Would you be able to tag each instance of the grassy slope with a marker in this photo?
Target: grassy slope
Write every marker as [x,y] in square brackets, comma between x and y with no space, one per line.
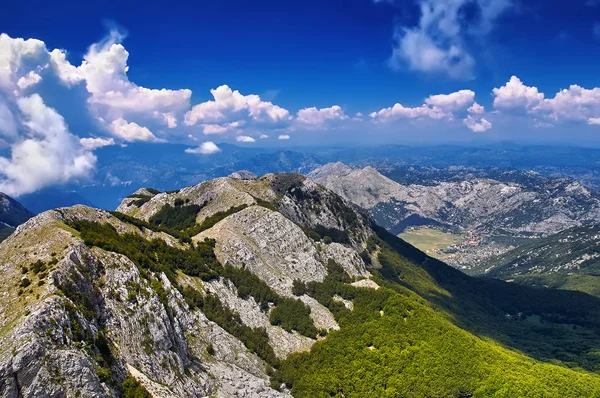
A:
[434,332]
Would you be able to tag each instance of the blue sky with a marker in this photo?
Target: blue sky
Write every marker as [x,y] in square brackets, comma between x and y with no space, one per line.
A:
[350,72]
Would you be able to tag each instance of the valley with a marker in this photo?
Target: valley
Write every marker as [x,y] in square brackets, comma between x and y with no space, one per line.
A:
[434,242]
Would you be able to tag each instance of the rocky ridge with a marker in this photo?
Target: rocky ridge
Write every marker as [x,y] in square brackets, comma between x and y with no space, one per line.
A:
[78,319]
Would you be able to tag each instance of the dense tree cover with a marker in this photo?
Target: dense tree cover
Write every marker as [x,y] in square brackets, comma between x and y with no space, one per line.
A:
[176,217]
[426,333]
[298,287]
[293,314]
[210,221]
[327,235]
[140,199]
[154,255]
[394,345]
[255,339]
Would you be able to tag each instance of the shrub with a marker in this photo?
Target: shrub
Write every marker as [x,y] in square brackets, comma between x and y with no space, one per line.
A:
[298,287]
[133,389]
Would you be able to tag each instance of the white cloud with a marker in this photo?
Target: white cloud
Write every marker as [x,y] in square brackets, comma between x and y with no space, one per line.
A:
[112,95]
[169,118]
[319,117]
[476,109]
[47,153]
[230,106]
[594,121]
[477,125]
[29,80]
[206,148]
[514,95]
[130,131]
[398,111]
[16,56]
[263,136]
[244,138]
[91,143]
[452,102]
[221,129]
[573,104]
[8,124]
[416,49]
[437,43]
[284,137]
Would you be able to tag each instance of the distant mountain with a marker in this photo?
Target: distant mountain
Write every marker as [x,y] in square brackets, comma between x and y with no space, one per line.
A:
[12,214]
[569,259]
[122,170]
[52,198]
[496,215]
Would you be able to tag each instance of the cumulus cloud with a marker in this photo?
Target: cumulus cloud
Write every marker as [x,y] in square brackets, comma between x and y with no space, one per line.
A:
[46,153]
[130,131]
[478,125]
[244,138]
[452,102]
[206,148]
[514,95]
[594,121]
[91,143]
[284,137]
[476,109]
[231,106]
[398,111]
[104,71]
[29,79]
[320,117]
[573,104]
[17,57]
[263,136]
[221,129]
[437,44]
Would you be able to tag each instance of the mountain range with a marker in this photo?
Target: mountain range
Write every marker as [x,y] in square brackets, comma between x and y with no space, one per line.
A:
[12,214]
[272,287]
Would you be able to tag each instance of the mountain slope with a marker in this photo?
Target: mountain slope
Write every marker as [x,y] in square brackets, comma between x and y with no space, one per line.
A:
[12,213]
[568,260]
[270,287]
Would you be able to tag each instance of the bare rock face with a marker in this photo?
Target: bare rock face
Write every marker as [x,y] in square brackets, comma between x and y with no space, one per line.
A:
[269,245]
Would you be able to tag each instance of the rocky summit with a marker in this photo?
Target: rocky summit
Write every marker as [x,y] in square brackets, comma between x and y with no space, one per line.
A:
[269,287]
